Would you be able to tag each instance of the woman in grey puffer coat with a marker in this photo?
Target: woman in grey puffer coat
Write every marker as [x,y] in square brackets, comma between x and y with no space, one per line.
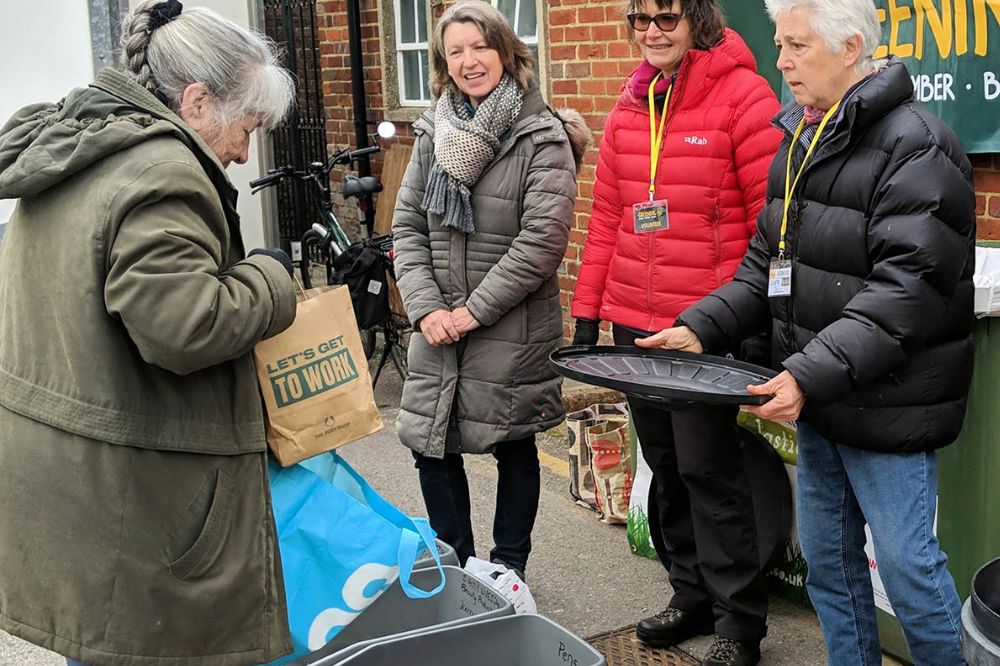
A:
[481,225]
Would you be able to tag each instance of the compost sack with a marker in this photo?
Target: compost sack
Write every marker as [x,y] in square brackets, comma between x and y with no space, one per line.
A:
[314,378]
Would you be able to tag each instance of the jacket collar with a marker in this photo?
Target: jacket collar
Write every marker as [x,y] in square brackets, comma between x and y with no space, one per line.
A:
[865,104]
[699,72]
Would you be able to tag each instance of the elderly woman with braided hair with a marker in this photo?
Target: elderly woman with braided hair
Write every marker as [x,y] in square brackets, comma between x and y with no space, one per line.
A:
[481,225]
[136,526]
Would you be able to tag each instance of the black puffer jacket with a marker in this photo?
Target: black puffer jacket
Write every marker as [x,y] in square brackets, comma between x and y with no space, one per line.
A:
[881,235]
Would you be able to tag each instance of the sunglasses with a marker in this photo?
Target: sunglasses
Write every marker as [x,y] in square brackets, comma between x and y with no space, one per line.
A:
[664,22]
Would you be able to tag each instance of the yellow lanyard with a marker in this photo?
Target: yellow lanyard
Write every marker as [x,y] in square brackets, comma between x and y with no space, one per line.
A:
[656,135]
[789,183]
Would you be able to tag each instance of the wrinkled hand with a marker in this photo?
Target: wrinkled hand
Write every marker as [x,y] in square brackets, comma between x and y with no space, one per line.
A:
[680,338]
[787,401]
[439,328]
[463,320]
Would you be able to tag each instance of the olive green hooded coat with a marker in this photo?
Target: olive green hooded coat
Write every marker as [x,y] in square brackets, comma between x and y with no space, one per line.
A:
[136,523]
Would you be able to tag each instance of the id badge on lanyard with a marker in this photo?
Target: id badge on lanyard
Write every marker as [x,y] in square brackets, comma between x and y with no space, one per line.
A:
[653,215]
[779,278]
[650,216]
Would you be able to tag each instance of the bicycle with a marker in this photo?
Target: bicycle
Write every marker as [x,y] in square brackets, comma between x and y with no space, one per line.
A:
[366,265]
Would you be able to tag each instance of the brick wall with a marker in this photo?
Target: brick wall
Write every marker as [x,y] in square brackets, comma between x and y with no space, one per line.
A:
[589,56]
[986,178]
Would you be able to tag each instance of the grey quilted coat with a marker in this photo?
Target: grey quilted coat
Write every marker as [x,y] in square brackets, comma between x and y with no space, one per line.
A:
[495,384]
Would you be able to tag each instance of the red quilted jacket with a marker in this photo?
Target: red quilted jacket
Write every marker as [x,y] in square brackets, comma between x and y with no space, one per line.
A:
[713,168]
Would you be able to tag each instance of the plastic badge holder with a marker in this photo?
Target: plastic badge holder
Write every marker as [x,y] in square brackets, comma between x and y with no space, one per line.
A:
[519,640]
[674,378]
[464,599]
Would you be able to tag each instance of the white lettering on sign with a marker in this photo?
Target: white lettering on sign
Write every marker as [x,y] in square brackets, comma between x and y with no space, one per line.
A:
[991,85]
[933,87]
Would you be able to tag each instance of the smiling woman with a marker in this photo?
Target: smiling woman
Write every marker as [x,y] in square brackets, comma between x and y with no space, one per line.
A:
[680,180]
[480,228]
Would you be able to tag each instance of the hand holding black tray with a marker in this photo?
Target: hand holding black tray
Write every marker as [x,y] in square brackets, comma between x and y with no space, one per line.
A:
[674,378]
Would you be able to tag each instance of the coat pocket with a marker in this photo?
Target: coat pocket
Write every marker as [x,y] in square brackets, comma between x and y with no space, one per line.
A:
[208,546]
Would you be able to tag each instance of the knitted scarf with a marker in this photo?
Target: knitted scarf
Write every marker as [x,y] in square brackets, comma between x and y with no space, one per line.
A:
[464,144]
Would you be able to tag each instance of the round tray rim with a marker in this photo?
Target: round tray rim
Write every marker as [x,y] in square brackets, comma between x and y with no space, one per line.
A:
[560,356]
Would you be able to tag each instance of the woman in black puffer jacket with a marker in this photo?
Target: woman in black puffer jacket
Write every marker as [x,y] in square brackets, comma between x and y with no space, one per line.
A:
[865,280]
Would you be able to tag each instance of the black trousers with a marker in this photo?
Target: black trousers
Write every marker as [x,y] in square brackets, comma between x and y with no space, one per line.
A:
[705,512]
[446,495]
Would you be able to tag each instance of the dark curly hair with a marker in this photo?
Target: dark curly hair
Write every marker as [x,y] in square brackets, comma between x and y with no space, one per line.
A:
[705,16]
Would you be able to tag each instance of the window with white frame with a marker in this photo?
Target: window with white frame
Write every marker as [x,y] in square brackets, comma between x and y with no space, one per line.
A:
[412,52]
[523,17]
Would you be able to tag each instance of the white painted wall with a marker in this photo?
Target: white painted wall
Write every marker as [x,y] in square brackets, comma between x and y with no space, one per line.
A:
[45,51]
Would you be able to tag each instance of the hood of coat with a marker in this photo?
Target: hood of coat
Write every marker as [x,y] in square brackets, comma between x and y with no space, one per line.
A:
[701,69]
[45,144]
[533,118]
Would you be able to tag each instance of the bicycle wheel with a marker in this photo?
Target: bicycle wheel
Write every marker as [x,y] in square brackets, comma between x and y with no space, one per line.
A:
[312,248]
[368,341]
[400,344]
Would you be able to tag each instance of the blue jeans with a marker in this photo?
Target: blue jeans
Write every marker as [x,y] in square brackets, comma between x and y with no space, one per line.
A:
[839,487]
[74,662]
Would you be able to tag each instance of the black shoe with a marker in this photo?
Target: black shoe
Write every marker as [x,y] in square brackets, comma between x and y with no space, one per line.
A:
[727,652]
[673,626]
[517,571]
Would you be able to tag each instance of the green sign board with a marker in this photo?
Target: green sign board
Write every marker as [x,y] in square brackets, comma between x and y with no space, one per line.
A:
[951,47]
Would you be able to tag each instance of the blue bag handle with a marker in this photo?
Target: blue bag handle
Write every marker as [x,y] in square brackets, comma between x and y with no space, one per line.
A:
[414,532]
[410,545]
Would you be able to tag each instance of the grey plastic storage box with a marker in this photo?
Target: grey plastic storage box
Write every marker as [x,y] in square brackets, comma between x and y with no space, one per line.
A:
[445,552]
[464,599]
[518,640]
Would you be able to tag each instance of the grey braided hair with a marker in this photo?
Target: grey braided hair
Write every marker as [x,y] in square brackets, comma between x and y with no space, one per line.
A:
[238,66]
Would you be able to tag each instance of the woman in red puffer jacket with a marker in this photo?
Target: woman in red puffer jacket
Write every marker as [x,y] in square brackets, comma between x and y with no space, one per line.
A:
[651,252]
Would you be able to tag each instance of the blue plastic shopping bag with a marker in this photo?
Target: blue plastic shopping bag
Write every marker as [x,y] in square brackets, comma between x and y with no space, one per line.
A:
[341,544]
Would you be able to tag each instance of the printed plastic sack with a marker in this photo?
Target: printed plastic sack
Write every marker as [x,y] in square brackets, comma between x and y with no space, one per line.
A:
[639,536]
[611,466]
[341,545]
[504,581]
[581,478]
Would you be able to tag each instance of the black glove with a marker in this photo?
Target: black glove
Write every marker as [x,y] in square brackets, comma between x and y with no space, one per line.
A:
[275,253]
[587,331]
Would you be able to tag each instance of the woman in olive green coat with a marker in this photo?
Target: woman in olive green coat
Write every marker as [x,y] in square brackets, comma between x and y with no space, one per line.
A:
[136,526]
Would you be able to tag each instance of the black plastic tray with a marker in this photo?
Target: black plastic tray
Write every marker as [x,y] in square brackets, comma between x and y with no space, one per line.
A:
[672,377]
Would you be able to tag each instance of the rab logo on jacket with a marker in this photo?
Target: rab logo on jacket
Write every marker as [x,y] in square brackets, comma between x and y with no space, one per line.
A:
[310,372]
[696,140]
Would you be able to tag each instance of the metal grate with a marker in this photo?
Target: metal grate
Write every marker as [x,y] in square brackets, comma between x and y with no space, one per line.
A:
[301,139]
[621,648]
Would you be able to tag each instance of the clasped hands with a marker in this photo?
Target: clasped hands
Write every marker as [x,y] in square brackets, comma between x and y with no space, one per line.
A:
[786,405]
[443,327]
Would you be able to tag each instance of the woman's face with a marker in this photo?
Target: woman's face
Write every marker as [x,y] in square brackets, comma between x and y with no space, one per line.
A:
[474,67]
[230,143]
[664,50]
[815,76]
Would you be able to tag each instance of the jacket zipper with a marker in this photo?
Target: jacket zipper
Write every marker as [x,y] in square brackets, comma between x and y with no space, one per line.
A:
[651,246]
[716,245]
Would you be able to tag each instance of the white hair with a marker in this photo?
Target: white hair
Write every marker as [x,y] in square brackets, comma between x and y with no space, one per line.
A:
[238,66]
[836,21]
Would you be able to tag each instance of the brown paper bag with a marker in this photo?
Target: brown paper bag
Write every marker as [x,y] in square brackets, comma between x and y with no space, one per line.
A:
[314,377]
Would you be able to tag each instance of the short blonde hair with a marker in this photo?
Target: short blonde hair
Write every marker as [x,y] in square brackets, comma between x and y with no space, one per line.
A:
[516,57]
